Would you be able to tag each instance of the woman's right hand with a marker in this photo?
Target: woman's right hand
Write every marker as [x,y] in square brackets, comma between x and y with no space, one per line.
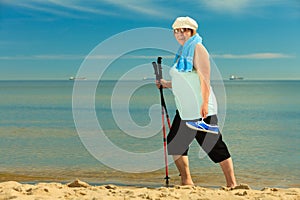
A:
[164,83]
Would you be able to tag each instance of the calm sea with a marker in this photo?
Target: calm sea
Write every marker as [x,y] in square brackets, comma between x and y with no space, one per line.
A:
[39,141]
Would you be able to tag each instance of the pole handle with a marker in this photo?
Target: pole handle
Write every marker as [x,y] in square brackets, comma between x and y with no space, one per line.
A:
[156,72]
[159,67]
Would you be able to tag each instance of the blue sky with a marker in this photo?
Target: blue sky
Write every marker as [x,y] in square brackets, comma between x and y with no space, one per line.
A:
[42,39]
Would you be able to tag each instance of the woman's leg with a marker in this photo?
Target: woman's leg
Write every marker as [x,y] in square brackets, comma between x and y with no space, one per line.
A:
[217,150]
[179,139]
[227,167]
[182,164]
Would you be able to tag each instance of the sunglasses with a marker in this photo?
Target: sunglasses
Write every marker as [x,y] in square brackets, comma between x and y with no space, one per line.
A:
[181,30]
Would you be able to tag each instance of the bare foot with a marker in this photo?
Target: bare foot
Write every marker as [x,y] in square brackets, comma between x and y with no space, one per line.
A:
[231,186]
[187,182]
[242,186]
[236,187]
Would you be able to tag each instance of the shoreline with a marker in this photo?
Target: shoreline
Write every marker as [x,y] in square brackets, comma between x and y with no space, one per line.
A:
[154,179]
[82,190]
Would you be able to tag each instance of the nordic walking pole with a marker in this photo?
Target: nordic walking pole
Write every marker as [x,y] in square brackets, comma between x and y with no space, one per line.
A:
[158,72]
[161,91]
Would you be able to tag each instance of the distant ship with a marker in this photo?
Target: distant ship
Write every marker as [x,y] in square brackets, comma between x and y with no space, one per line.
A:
[72,78]
[147,78]
[233,77]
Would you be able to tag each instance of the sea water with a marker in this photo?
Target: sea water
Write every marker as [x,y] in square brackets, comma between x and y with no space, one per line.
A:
[39,140]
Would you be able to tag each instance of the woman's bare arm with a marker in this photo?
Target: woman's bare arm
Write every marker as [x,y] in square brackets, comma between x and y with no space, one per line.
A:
[202,67]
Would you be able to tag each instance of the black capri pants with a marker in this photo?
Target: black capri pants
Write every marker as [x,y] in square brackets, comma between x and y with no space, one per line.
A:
[180,137]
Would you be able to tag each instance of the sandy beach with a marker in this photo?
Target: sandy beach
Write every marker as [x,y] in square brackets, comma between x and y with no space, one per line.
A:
[81,190]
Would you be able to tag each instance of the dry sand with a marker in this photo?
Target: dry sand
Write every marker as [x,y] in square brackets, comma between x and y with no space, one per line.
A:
[81,191]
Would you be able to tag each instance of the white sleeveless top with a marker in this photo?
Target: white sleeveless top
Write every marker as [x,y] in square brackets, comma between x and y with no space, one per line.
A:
[188,98]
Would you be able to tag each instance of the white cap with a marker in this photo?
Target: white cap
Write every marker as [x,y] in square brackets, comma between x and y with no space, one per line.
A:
[185,22]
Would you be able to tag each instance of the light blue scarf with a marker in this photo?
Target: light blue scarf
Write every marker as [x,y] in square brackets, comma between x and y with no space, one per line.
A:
[185,54]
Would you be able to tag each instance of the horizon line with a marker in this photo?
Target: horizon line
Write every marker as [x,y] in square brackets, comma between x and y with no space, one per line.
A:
[87,80]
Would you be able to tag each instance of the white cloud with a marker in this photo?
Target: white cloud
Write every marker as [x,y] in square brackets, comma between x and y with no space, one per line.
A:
[81,8]
[144,7]
[153,8]
[71,8]
[253,56]
[102,57]
[249,7]
[227,5]
[43,57]
[60,7]
[75,57]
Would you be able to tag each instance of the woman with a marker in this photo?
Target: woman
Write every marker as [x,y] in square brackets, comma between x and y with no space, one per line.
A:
[194,100]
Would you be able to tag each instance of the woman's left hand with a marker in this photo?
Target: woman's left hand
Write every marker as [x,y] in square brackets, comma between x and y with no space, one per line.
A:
[204,110]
